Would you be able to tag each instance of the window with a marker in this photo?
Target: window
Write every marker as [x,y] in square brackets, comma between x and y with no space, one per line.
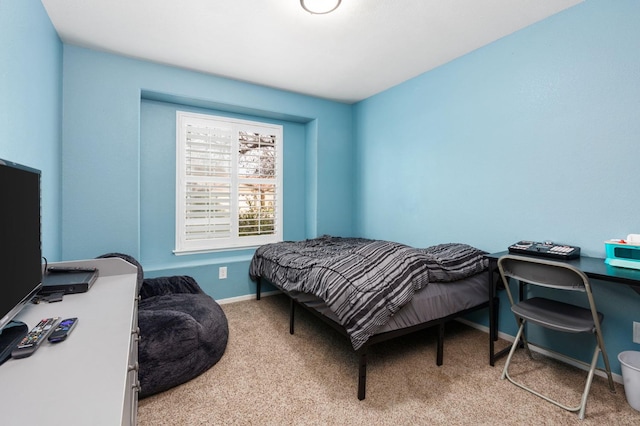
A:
[229,183]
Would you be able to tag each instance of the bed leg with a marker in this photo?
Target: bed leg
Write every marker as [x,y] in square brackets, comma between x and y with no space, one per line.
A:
[440,354]
[258,285]
[362,374]
[292,313]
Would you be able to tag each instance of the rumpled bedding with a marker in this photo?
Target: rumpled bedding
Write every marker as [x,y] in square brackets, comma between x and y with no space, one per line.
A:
[364,282]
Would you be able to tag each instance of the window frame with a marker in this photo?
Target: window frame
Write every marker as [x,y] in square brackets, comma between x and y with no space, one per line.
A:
[183,245]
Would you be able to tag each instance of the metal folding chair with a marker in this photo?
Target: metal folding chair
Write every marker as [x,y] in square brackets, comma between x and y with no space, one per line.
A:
[553,314]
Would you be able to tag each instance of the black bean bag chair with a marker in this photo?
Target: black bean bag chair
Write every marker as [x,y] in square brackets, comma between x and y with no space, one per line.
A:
[183,331]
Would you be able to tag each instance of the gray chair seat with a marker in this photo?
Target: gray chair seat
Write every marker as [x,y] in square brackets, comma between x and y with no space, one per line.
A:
[556,315]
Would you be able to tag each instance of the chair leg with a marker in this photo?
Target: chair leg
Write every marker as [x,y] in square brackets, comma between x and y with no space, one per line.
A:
[585,393]
[523,339]
[587,386]
[514,346]
[605,359]
[600,349]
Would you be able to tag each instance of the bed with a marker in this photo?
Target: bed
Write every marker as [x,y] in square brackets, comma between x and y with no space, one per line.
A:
[373,290]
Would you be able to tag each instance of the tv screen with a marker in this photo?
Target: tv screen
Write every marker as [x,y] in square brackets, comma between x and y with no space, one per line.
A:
[20,247]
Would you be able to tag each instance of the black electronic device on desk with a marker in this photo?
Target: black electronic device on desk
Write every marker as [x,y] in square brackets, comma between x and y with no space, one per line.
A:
[545,249]
[68,280]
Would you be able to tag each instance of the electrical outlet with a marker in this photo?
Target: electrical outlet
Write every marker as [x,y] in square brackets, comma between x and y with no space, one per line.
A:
[222,272]
[636,332]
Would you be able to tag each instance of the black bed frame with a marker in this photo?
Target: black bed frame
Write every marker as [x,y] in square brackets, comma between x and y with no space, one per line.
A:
[382,337]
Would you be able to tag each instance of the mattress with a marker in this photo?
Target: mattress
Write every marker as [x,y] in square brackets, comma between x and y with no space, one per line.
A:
[434,301]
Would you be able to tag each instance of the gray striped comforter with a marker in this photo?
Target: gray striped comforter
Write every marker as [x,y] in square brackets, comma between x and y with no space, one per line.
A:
[364,282]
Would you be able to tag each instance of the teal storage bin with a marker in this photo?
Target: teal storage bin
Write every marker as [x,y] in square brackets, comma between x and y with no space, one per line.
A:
[622,254]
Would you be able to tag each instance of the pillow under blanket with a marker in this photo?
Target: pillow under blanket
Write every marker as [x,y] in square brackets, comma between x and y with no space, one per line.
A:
[454,261]
[181,336]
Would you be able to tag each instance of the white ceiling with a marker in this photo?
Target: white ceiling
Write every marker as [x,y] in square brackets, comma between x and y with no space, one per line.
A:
[363,48]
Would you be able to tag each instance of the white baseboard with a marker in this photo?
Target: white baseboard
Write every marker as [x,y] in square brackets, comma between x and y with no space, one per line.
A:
[546,352]
[246,297]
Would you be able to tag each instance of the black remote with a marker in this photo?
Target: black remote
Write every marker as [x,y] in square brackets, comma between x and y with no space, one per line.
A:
[63,330]
[31,342]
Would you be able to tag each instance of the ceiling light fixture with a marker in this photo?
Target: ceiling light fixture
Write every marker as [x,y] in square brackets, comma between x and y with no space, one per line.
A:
[320,7]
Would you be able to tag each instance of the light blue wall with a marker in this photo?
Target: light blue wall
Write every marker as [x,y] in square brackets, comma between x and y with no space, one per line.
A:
[30,102]
[536,136]
[118,186]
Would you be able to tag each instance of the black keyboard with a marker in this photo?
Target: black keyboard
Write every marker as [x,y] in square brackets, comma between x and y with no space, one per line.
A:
[545,249]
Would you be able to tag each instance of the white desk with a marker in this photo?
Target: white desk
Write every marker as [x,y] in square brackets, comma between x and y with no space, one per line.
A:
[90,378]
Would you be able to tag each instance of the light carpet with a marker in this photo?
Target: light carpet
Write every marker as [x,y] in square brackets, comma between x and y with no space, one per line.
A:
[269,377]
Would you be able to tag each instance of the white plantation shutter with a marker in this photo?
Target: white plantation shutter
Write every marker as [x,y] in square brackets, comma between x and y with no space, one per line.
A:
[257,185]
[229,183]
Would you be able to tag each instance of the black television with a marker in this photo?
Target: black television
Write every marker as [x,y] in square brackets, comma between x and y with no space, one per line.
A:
[20,246]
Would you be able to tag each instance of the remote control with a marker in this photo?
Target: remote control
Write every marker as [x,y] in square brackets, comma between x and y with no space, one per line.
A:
[31,342]
[63,330]
[67,269]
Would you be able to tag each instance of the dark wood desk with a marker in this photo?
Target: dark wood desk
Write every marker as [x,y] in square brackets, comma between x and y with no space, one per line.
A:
[593,267]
